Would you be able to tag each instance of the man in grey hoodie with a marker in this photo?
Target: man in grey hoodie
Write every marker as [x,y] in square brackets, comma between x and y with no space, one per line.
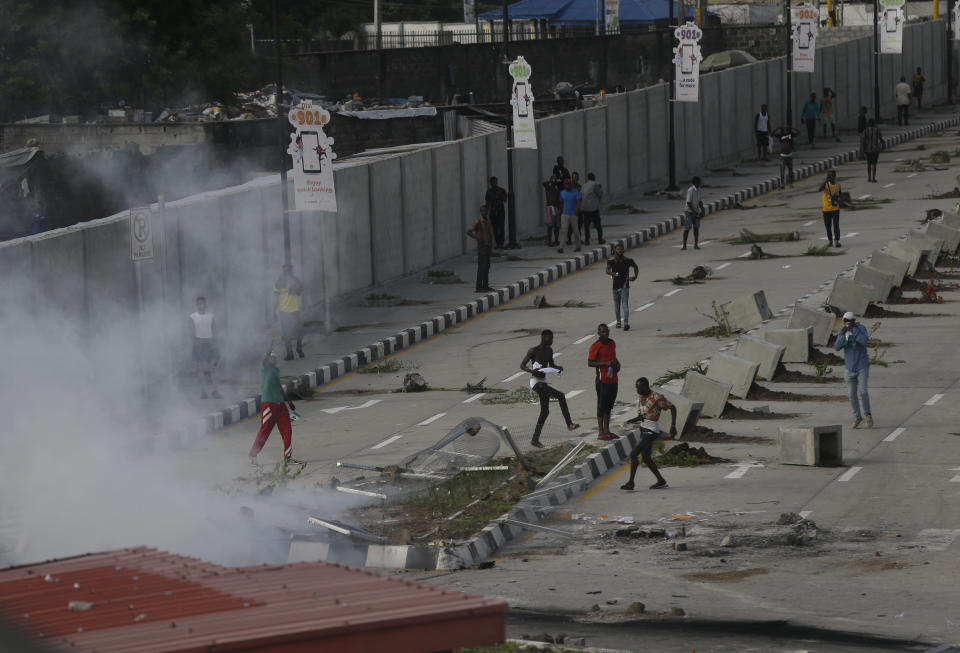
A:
[592,193]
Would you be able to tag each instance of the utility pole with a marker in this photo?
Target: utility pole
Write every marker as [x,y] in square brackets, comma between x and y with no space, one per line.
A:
[511,199]
[671,143]
[876,62]
[789,44]
[284,135]
[950,37]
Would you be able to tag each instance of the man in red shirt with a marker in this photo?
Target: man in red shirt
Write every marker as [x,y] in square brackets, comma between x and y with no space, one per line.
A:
[649,407]
[603,357]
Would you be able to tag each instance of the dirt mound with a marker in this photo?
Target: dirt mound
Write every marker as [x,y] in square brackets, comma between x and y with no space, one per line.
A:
[760,393]
[706,434]
[874,311]
[783,375]
[818,357]
[685,451]
[733,412]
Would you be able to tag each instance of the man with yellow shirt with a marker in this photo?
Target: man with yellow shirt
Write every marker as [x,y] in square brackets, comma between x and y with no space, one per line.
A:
[287,291]
[830,199]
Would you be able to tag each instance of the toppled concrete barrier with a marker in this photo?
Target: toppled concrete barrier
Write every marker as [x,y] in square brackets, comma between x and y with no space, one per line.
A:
[767,354]
[848,295]
[925,243]
[796,343]
[712,394]
[688,412]
[880,281]
[949,235]
[951,219]
[887,263]
[747,311]
[738,372]
[811,445]
[821,322]
[912,255]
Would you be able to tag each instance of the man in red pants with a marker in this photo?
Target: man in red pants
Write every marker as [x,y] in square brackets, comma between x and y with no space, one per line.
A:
[273,410]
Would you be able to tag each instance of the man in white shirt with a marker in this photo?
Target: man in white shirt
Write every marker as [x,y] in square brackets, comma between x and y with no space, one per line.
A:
[692,213]
[903,95]
[761,124]
[205,354]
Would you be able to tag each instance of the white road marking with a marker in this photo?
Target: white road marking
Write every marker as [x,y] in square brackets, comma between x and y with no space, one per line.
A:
[583,339]
[644,307]
[610,324]
[741,469]
[932,400]
[956,478]
[852,234]
[392,438]
[911,175]
[706,242]
[785,267]
[337,409]
[473,398]
[847,475]
[807,224]
[893,434]
[745,255]
[804,513]
[898,159]
[557,354]
[672,292]
[431,420]
[863,197]
[512,377]
[720,267]
[887,185]
[937,539]
[573,393]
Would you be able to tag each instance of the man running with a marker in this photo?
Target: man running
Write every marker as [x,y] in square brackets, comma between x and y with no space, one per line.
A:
[273,410]
[603,357]
[619,267]
[649,406]
[539,363]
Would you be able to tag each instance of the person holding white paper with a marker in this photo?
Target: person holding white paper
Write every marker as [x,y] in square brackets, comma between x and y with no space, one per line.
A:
[539,363]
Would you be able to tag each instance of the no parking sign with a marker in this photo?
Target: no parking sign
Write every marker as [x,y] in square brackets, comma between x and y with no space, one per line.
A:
[141,234]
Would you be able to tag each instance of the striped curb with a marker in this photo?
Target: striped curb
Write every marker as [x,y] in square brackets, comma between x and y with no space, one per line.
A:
[530,509]
[379,350]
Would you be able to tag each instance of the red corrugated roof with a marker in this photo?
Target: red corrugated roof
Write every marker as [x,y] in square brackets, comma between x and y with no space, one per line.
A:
[150,601]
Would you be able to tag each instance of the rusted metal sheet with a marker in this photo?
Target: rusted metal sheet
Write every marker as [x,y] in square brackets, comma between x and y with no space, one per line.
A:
[155,602]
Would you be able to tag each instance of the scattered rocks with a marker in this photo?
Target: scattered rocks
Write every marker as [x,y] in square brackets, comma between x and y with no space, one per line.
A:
[635,608]
[413,382]
[727,541]
[788,518]
[595,608]
[677,611]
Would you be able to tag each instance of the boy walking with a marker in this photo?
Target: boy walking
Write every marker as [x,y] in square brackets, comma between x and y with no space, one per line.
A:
[649,407]
[603,358]
[619,267]
[273,410]
[288,290]
[570,198]
[539,363]
[830,200]
[692,213]
[853,339]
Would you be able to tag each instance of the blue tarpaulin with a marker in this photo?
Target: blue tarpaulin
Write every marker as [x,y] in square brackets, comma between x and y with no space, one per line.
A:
[585,13]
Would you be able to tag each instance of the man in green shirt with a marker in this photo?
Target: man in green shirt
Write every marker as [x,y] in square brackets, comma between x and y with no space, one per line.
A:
[273,410]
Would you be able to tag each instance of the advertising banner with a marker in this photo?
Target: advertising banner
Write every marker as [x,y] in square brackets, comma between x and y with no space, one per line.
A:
[524,125]
[312,159]
[686,59]
[804,17]
[469,7]
[611,16]
[891,19]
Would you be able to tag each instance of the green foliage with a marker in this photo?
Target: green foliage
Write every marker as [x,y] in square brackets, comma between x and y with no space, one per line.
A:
[670,375]
[822,370]
[721,322]
[821,250]
[386,367]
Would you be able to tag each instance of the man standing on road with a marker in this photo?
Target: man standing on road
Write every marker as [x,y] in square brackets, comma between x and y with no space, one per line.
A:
[539,363]
[871,142]
[918,82]
[828,111]
[603,357]
[560,173]
[494,200]
[853,339]
[786,136]
[273,410]
[761,125]
[288,290]
[570,198]
[649,406]
[553,205]
[810,115]
[592,193]
[482,232]
[619,267]
[692,213]
[830,200]
[205,354]
[901,93]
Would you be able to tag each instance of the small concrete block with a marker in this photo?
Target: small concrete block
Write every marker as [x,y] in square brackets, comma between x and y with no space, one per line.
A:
[951,220]
[767,354]
[796,343]
[949,235]
[388,556]
[811,445]
[747,311]
[848,295]
[880,281]
[925,243]
[308,551]
[712,394]
[809,316]
[908,253]
[887,263]
[738,372]
[688,412]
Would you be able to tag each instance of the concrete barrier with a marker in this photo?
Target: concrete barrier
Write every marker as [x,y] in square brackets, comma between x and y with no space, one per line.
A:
[767,354]
[688,412]
[747,311]
[888,263]
[912,255]
[848,295]
[925,243]
[880,281]
[949,235]
[811,445]
[951,220]
[738,372]
[819,321]
[712,394]
[796,343]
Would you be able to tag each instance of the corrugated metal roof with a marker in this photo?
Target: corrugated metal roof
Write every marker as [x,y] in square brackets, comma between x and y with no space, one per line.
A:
[154,602]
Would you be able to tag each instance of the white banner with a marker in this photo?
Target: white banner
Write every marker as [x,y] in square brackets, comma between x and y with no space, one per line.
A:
[469,7]
[804,17]
[956,21]
[891,19]
[312,159]
[611,16]
[141,234]
[686,60]
[524,126]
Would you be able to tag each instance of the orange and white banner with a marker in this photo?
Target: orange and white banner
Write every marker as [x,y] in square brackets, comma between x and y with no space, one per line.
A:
[313,157]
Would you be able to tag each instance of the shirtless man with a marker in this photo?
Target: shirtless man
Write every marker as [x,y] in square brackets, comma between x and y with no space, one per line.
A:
[541,358]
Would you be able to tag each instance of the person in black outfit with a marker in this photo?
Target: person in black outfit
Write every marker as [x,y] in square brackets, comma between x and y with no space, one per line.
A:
[560,173]
[494,200]
[541,357]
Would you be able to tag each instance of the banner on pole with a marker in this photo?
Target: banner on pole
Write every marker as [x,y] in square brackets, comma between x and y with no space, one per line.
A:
[611,16]
[891,19]
[686,60]
[469,7]
[804,17]
[956,20]
[312,159]
[524,125]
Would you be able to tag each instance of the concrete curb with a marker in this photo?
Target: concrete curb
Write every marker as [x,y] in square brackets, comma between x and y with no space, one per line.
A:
[324,374]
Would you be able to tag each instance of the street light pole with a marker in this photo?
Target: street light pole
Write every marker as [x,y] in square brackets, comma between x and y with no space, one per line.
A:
[876,62]
[511,200]
[284,135]
[950,37]
[671,143]
[789,20]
